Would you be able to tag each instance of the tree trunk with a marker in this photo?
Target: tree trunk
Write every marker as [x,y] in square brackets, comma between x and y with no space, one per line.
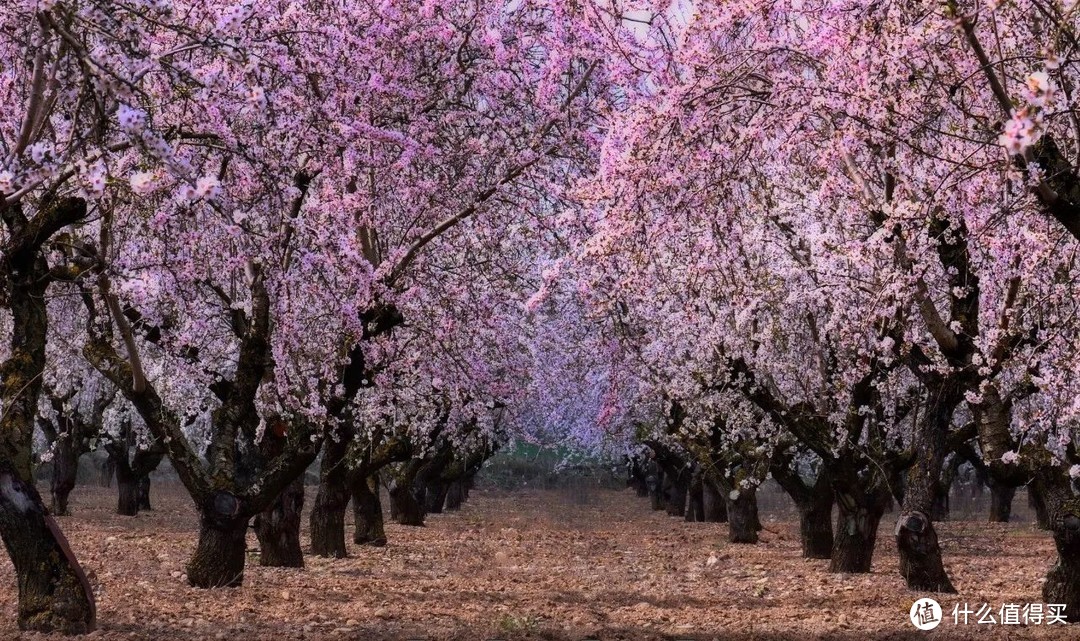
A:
[1063,580]
[635,476]
[713,505]
[54,594]
[108,470]
[815,526]
[278,528]
[695,509]
[219,557]
[813,500]
[857,518]
[1062,504]
[943,488]
[920,555]
[1038,505]
[132,474]
[367,512]
[144,492]
[455,495]
[743,523]
[655,481]
[127,495]
[64,472]
[1001,498]
[327,520]
[435,497]
[676,489]
[940,509]
[405,509]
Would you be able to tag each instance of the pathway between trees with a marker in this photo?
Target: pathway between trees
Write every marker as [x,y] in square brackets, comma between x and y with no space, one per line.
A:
[529,565]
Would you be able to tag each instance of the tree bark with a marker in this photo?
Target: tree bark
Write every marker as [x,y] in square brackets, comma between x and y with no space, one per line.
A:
[676,487]
[455,495]
[278,529]
[813,500]
[743,523]
[635,475]
[108,469]
[695,507]
[64,472]
[132,472]
[1062,501]
[367,512]
[219,557]
[920,554]
[655,482]
[54,594]
[435,497]
[714,507]
[127,495]
[857,518]
[815,527]
[144,492]
[405,509]
[940,509]
[1038,505]
[1001,498]
[327,518]
[68,438]
[943,489]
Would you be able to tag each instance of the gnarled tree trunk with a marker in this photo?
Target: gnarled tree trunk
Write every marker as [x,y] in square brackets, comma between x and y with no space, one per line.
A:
[219,557]
[695,506]
[1001,498]
[107,470]
[943,489]
[714,507]
[367,512]
[455,496]
[1062,501]
[920,554]
[435,497]
[815,527]
[328,513]
[655,482]
[676,487]
[54,595]
[133,478]
[857,518]
[635,475]
[64,472]
[278,528]
[814,502]
[127,498]
[404,508]
[743,523]
[144,492]
[1038,506]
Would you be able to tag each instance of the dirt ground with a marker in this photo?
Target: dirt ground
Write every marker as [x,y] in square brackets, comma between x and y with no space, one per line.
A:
[593,564]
